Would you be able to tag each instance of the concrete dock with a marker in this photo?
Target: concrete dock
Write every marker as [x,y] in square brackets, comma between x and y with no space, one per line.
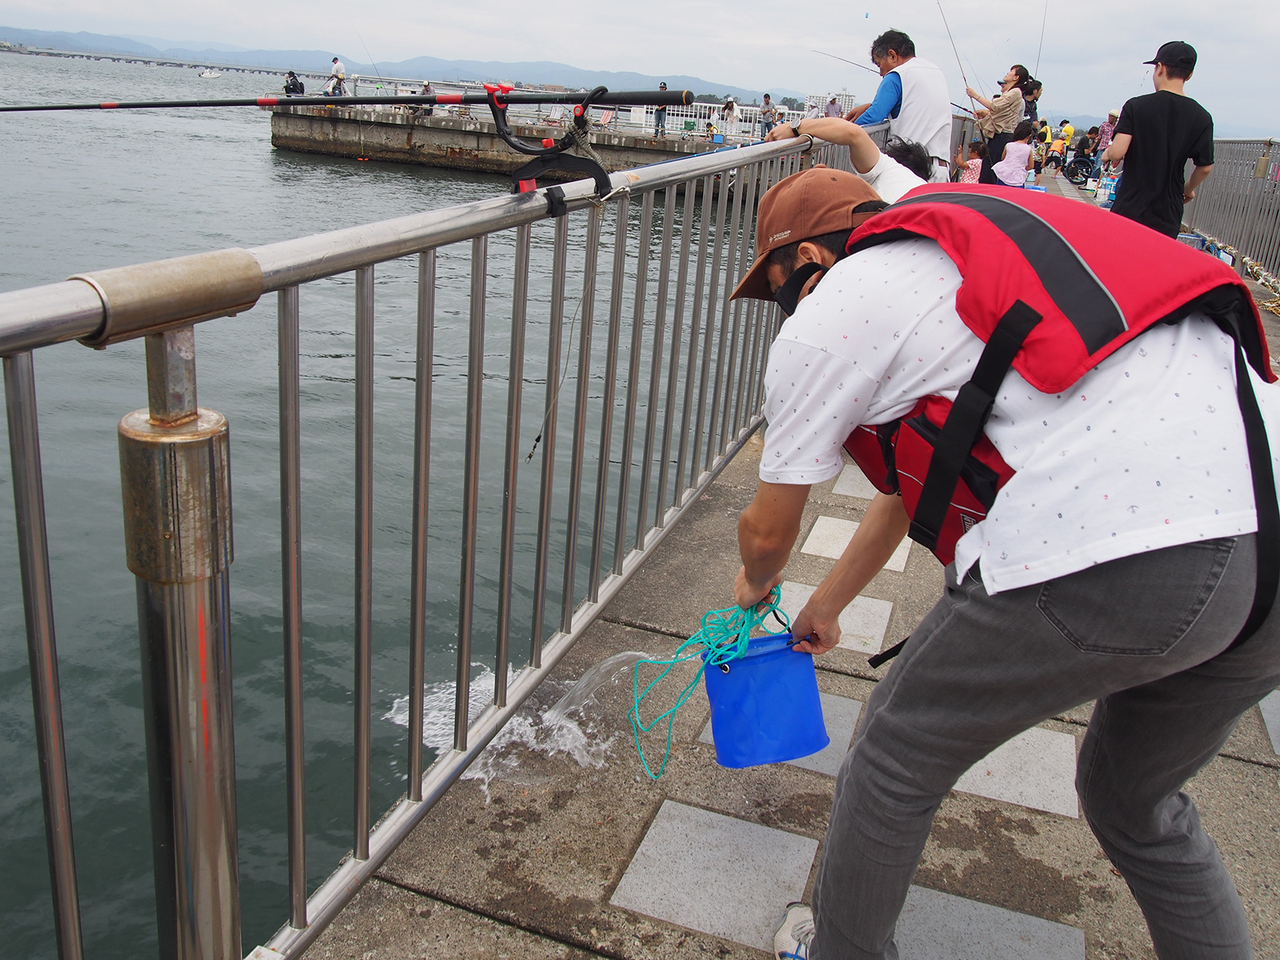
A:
[563,857]
[469,142]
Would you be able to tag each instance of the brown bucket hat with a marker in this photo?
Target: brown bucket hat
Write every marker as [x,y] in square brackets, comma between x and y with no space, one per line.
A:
[809,204]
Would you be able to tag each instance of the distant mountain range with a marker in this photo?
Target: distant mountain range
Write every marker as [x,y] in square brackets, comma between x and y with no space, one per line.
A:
[427,68]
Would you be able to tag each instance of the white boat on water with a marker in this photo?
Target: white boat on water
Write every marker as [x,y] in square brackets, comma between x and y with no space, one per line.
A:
[209,73]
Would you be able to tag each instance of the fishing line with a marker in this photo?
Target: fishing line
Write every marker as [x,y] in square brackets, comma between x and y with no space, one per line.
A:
[372,63]
[977,73]
[850,62]
[1041,47]
[555,397]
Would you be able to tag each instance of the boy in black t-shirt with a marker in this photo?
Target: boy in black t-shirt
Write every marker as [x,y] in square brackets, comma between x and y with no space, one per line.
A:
[1155,136]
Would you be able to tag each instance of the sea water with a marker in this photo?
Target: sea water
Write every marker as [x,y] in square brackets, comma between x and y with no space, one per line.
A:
[89,190]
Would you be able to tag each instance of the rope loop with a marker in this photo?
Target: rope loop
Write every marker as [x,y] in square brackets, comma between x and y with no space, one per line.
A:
[722,638]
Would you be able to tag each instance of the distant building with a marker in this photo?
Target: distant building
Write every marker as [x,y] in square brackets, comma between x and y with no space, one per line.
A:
[846,100]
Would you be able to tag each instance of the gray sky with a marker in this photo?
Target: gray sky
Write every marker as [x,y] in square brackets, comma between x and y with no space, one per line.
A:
[1091,61]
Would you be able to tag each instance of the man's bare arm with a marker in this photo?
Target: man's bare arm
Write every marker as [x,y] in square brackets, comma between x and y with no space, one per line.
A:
[1118,148]
[1198,176]
[767,531]
[878,535]
[863,151]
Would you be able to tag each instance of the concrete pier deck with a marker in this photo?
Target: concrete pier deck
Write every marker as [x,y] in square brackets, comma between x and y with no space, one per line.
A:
[557,858]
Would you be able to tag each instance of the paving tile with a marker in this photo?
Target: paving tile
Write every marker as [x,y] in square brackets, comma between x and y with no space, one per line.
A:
[840,715]
[1271,717]
[862,623]
[852,482]
[830,535]
[715,874]
[1036,769]
[940,926]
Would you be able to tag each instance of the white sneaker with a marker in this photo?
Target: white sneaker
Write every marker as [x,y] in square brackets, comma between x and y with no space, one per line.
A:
[792,940]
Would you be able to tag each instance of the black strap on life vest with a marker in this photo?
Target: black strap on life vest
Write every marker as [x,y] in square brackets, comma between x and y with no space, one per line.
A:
[1264,495]
[967,417]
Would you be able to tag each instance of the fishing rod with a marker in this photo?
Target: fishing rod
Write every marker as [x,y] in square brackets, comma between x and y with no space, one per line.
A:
[547,155]
[658,98]
[860,66]
[973,104]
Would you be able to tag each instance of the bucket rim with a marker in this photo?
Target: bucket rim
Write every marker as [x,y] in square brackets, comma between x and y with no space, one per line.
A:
[762,646]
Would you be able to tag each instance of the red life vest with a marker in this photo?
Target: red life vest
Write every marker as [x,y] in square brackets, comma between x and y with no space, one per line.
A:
[1052,287]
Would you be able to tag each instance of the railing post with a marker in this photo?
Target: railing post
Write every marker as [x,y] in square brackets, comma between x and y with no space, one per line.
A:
[42,653]
[177,517]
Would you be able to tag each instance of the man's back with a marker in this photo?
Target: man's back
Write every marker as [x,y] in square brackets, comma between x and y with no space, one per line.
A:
[925,114]
[1167,130]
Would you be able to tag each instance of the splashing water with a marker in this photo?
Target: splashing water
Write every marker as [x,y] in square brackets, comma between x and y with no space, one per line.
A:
[550,722]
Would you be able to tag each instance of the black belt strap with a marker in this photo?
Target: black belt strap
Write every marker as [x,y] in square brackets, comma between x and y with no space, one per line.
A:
[967,417]
[1264,497]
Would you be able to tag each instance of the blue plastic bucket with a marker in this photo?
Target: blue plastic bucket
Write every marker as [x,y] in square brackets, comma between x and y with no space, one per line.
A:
[765,706]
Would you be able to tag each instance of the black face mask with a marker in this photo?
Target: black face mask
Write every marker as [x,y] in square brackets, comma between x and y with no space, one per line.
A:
[788,295]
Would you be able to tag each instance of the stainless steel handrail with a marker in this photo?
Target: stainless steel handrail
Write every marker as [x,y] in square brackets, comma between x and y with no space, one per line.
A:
[723,369]
[1239,204]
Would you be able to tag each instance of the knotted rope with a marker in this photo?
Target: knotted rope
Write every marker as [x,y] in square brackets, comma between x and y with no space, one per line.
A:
[722,637]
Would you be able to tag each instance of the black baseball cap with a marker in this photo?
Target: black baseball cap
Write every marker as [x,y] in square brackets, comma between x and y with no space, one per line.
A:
[1175,53]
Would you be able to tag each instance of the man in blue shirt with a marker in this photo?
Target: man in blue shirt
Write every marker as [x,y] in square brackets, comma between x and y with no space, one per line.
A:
[912,96]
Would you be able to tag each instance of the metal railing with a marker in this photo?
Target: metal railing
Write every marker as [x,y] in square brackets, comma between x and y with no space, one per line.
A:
[687,121]
[1239,205]
[678,373]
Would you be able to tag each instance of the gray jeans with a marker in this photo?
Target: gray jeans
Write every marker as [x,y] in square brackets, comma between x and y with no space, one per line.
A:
[1144,636]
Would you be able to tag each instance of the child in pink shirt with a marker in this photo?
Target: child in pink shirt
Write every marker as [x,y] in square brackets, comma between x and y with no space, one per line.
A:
[1012,169]
[970,169]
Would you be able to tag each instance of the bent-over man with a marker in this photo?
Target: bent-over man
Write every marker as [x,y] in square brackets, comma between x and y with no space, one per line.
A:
[1104,547]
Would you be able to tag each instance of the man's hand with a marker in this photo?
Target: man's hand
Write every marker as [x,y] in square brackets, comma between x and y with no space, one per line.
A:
[856,112]
[882,528]
[820,628]
[1198,176]
[747,594]
[783,131]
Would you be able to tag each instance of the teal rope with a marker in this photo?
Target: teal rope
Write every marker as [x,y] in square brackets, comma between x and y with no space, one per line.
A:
[723,637]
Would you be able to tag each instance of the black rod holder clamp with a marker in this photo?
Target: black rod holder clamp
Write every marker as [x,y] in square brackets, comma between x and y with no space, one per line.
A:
[550,155]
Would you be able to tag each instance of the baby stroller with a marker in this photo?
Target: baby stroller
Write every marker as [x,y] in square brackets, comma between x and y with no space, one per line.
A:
[1079,169]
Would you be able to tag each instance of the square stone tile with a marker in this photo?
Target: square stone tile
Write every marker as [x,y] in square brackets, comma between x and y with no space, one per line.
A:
[852,482]
[1036,769]
[940,926]
[840,715]
[862,623]
[830,535]
[715,874]
[1270,707]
